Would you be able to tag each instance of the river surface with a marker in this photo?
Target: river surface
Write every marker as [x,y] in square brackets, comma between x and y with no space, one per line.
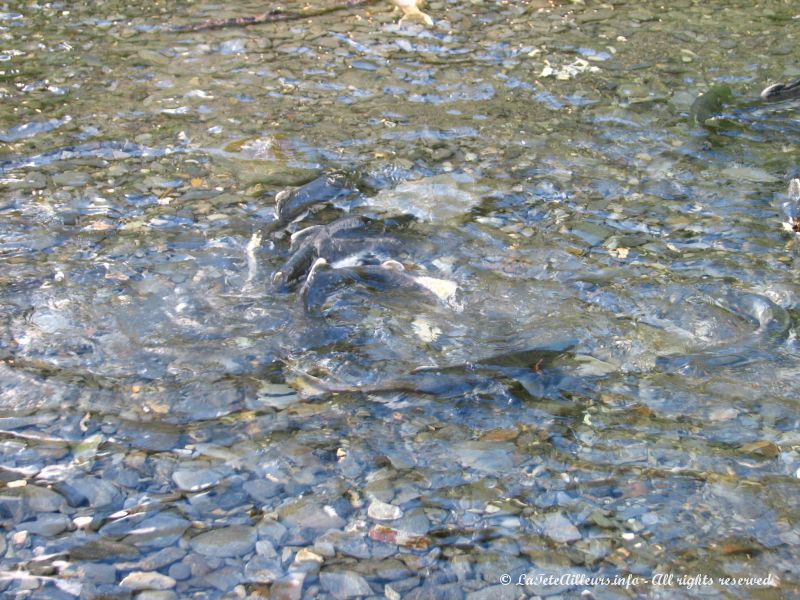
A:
[612,391]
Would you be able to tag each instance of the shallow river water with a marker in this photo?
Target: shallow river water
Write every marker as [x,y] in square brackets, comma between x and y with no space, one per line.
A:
[611,392]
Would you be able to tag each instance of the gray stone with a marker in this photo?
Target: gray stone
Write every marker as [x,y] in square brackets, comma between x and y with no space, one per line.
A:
[344,584]
[161,559]
[72,495]
[194,479]
[381,489]
[15,508]
[398,589]
[272,531]
[265,548]
[414,523]
[308,513]
[488,457]
[200,565]
[495,592]
[461,566]
[324,549]
[157,595]
[71,178]
[390,569]
[180,571]
[161,529]
[261,569]
[155,440]
[99,549]
[235,540]
[42,500]
[560,529]
[97,572]
[448,591]
[350,544]
[262,490]
[47,524]
[288,588]
[147,580]
[100,493]
[104,591]
[223,579]
[382,511]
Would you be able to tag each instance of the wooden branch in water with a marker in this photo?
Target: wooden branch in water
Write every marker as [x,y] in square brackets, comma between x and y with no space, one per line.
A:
[272,16]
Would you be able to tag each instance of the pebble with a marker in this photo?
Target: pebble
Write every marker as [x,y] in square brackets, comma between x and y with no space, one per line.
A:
[308,513]
[495,592]
[159,560]
[235,540]
[98,492]
[161,529]
[324,549]
[381,511]
[193,479]
[261,569]
[289,587]
[42,500]
[304,554]
[344,584]
[269,529]
[180,571]
[20,538]
[97,572]
[157,595]
[413,524]
[560,529]
[147,580]
[262,490]
[449,591]
[71,178]
[397,589]
[223,579]
[350,544]
[82,522]
[47,524]
[487,457]
[266,548]
[71,494]
[100,549]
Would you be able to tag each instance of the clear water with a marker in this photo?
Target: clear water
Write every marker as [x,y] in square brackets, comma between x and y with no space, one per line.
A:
[636,260]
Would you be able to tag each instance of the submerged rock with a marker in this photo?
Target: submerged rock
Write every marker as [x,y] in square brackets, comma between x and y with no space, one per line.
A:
[709,104]
[147,581]
[439,199]
[560,529]
[235,540]
[344,584]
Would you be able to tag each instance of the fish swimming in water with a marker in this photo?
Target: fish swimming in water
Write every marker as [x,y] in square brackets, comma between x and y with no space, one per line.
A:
[323,280]
[443,381]
[291,205]
[344,242]
[781,91]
